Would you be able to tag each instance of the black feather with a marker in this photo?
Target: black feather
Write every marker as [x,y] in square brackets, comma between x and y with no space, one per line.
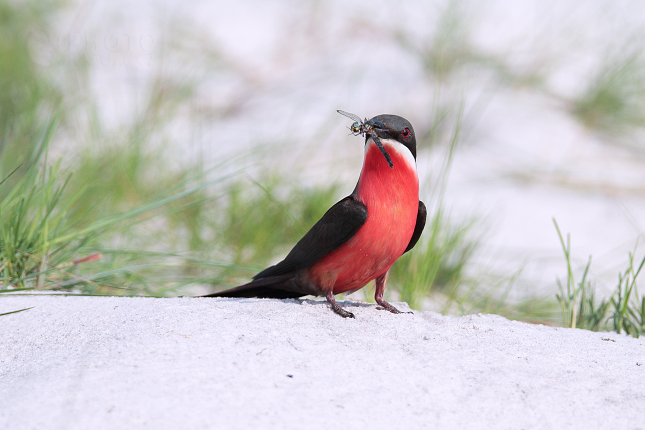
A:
[418,228]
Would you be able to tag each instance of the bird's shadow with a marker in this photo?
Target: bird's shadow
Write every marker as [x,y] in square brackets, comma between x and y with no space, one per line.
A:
[347,303]
[311,301]
[343,303]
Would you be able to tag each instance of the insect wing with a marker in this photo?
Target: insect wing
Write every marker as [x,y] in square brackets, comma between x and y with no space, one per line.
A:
[351,116]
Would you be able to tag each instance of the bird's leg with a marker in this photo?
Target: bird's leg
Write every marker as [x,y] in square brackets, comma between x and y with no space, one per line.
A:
[378,295]
[336,307]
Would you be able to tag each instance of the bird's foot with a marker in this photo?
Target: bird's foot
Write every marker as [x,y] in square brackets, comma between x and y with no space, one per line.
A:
[342,312]
[378,295]
[388,307]
[336,307]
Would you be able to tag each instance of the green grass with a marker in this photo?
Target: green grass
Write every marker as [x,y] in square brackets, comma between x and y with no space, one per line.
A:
[31,218]
[627,307]
[577,298]
[614,100]
[43,240]
[622,311]
[27,96]
[15,312]
[115,201]
[437,263]
[450,49]
[276,214]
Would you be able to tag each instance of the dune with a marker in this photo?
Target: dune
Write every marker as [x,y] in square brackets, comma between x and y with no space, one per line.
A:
[143,363]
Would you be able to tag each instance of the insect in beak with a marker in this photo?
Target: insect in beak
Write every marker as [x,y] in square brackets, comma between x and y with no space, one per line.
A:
[360,126]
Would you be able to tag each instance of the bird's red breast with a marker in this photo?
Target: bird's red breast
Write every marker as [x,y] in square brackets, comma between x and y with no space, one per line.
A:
[392,199]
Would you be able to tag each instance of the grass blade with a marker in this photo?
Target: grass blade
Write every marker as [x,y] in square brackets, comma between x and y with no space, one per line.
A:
[15,312]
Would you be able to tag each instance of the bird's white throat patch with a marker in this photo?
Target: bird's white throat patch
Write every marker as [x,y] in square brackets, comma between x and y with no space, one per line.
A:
[392,145]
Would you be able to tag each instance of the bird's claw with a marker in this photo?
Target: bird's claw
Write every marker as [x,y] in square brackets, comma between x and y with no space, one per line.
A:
[388,307]
[336,307]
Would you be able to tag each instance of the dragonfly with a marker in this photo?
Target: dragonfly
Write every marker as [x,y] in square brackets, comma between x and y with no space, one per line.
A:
[362,127]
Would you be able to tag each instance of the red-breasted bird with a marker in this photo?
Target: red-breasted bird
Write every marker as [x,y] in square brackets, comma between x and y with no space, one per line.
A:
[362,235]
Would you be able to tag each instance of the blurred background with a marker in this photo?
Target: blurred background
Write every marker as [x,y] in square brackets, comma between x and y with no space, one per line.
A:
[170,148]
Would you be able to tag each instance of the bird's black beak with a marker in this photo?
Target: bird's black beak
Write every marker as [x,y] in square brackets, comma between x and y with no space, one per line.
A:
[377,128]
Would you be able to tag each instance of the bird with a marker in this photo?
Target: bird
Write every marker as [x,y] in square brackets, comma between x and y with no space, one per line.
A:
[359,238]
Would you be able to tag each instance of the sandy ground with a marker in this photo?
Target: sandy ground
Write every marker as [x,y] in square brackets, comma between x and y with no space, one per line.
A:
[144,363]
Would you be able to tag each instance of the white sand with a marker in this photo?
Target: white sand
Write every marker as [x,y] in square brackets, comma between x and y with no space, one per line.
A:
[192,363]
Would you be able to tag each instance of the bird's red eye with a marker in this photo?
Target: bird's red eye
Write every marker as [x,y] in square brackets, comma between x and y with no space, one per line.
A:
[405,133]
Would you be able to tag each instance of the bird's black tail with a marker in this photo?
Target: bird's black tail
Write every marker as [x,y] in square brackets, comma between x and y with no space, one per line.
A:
[272,287]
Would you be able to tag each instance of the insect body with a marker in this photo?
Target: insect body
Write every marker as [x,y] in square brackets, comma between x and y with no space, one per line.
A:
[359,126]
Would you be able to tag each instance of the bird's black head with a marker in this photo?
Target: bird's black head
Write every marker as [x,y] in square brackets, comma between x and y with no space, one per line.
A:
[396,128]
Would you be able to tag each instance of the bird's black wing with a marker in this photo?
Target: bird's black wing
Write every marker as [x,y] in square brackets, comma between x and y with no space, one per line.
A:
[418,228]
[336,227]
